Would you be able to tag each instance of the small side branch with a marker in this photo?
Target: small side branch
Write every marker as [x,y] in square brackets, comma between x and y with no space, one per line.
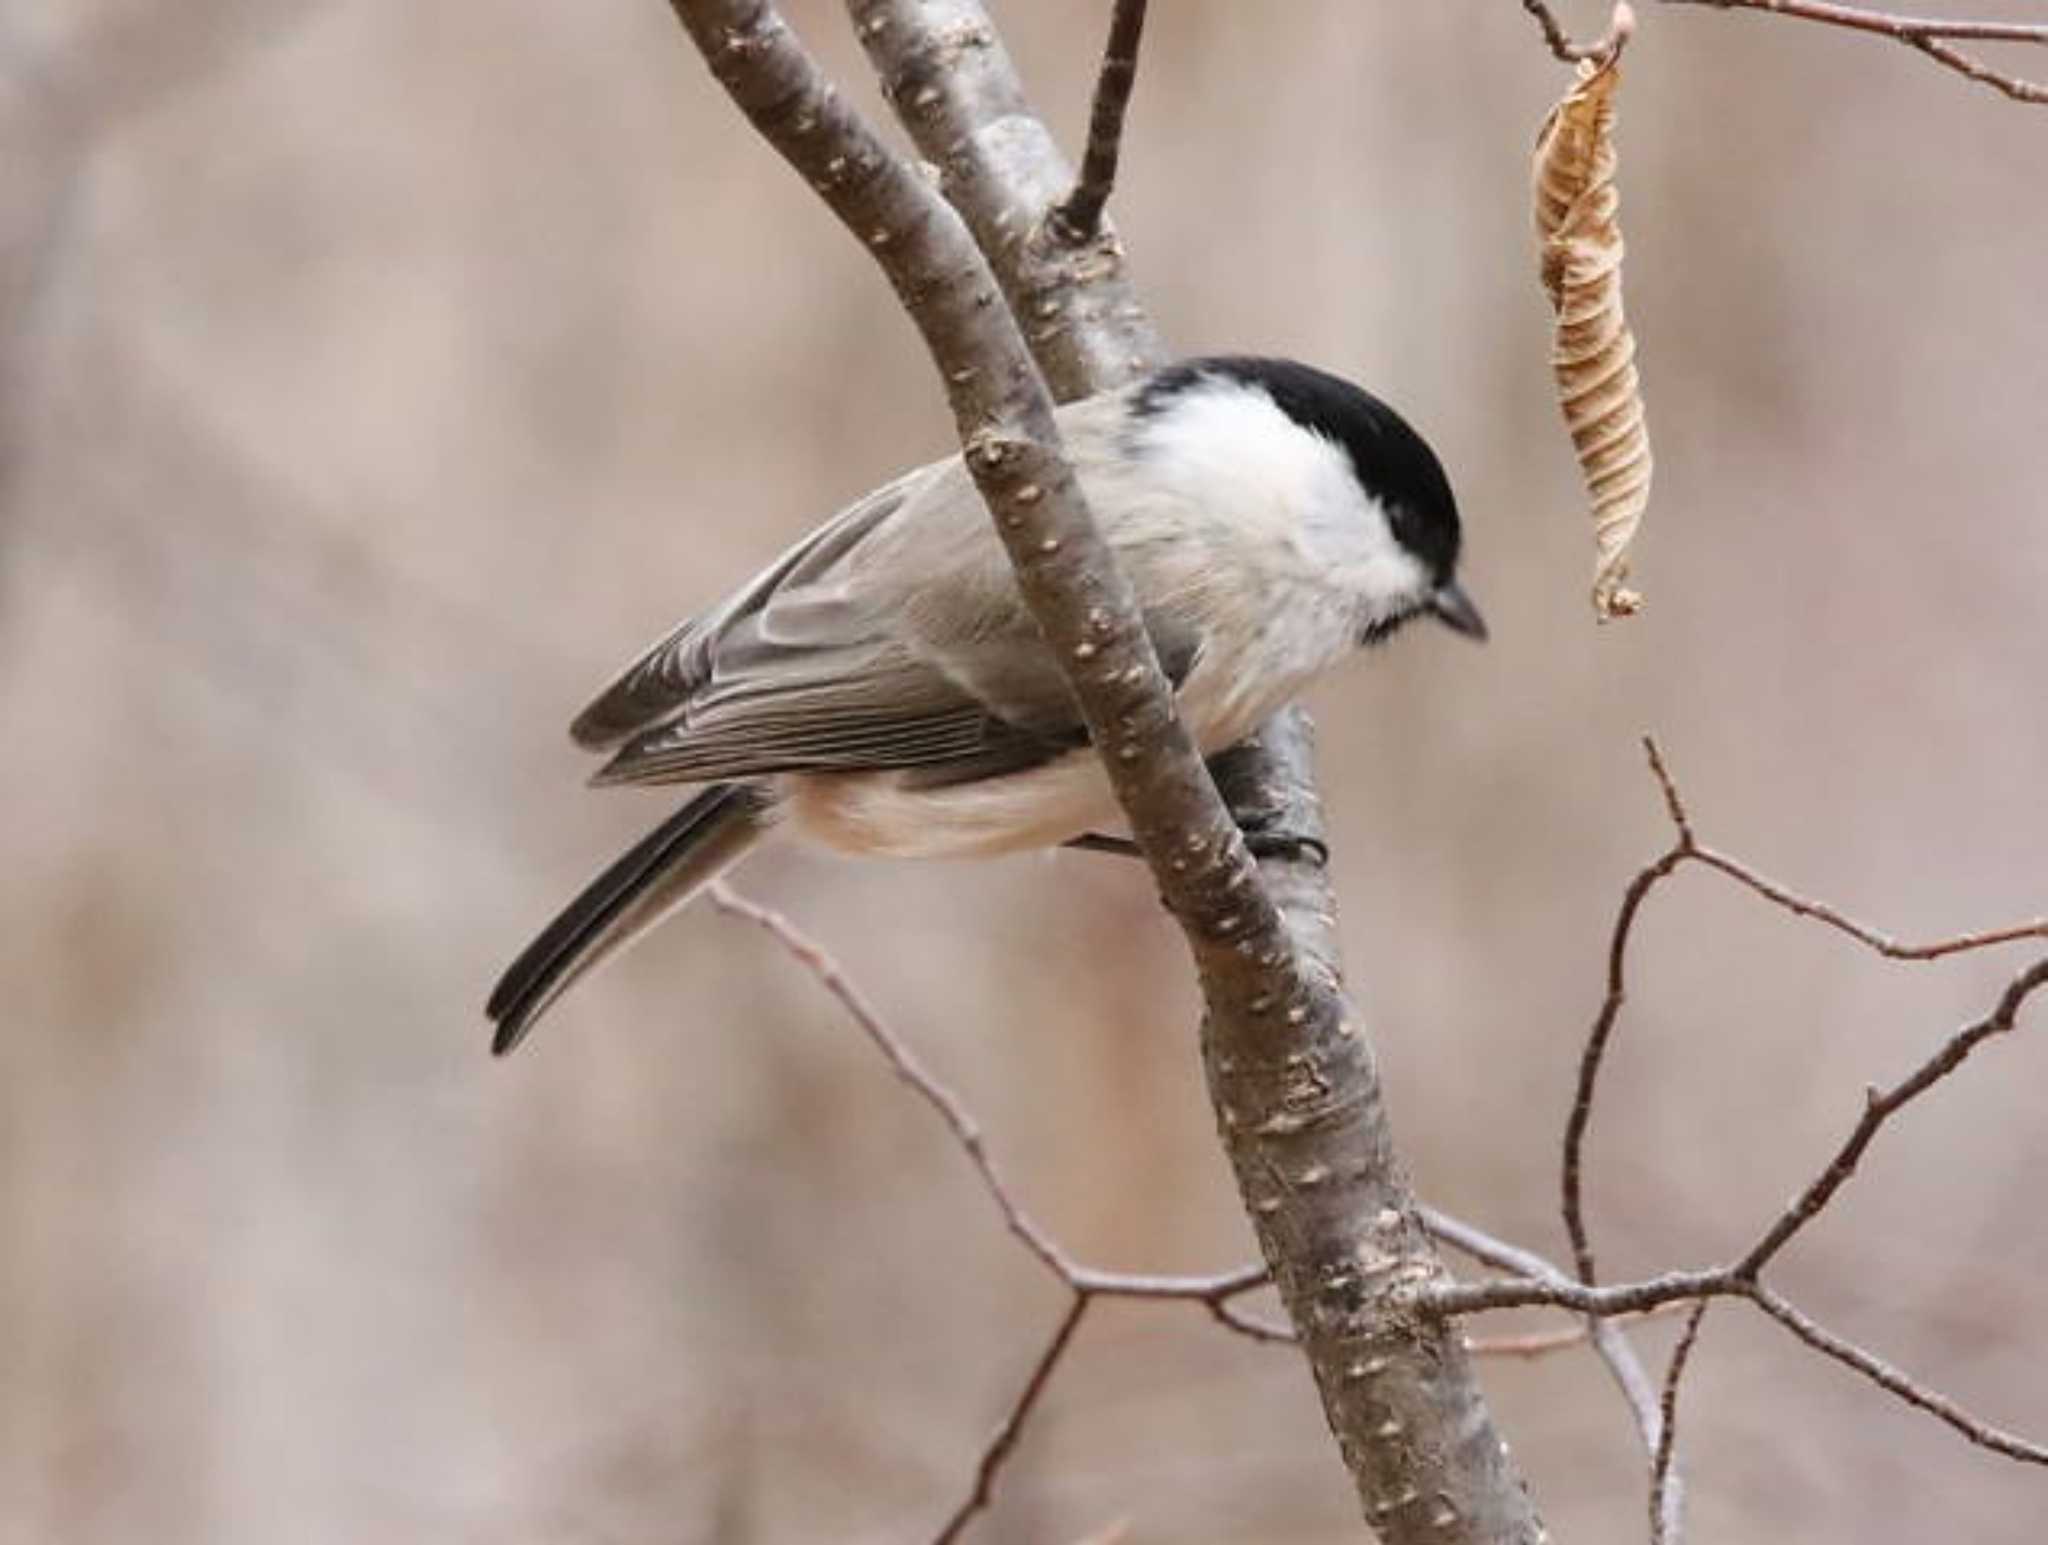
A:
[1079,216]
[1217,1293]
[1741,1278]
[1560,43]
[1687,848]
[1004,1442]
[1699,1287]
[1933,36]
[1663,1508]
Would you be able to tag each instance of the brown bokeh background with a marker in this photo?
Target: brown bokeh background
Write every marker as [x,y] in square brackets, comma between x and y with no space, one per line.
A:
[378,374]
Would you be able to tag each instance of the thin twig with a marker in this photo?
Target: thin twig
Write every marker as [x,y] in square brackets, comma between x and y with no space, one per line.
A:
[1613,1347]
[1536,1283]
[1687,848]
[1218,1292]
[1620,27]
[1541,1343]
[1594,1057]
[1664,1518]
[1880,1106]
[1871,938]
[1004,1442]
[1932,36]
[904,1063]
[1886,1377]
[1086,1281]
[1078,217]
[1697,1287]
[1215,1292]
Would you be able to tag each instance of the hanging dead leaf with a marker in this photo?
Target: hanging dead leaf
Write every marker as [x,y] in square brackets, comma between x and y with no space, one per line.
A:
[1578,227]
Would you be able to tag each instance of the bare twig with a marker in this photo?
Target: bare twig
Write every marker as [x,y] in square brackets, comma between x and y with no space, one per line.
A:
[1004,1442]
[1880,1106]
[1594,1057]
[1687,848]
[1886,1377]
[1541,1343]
[1724,1282]
[1932,36]
[1537,1284]
[1663,1516]
[949,78]
[1620,26]
[1086,1281]
[1079,216]
[1533,1284]
[1613,1347]
[1217,1293]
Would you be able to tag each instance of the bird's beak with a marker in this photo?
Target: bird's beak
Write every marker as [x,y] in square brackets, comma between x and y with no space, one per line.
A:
[1454,609]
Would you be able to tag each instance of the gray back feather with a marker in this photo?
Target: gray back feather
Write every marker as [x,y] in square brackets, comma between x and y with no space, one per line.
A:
[891,637]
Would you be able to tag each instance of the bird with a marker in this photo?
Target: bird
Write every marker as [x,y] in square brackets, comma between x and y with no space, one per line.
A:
[881,689]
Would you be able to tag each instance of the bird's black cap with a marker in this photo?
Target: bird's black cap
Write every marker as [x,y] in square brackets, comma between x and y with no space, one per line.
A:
[1392,462]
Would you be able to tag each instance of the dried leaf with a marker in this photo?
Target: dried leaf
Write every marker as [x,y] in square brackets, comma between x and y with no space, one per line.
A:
[1578,228]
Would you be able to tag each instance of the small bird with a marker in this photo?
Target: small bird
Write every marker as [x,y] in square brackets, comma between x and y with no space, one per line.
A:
[881,689]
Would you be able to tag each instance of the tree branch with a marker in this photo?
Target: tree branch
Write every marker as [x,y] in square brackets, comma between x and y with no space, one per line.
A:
[1004,1442]
[1687,848]
[1932,36]
[1613,1347]
[1663,1512]
[1079,216]
[945,71]
[1291,1073]
[1560,43]
[1536,1283]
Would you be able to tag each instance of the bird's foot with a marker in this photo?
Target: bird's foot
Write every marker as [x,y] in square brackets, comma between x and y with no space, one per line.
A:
[1264,842]
[1295,847]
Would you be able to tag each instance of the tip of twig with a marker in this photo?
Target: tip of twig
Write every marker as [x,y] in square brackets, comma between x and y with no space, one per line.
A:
[1674,802]
[1621,26]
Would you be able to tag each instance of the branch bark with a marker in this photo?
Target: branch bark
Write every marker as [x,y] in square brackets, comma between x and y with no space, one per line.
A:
[1291,1073]
[1932,35]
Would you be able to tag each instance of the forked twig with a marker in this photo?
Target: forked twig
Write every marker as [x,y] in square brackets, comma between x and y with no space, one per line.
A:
[1620,27]
[1687,848]
[1933,36]
[1215,1293]
[1534,1283]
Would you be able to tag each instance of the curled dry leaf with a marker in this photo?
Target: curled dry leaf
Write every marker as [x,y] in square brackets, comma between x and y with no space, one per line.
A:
[1578,228]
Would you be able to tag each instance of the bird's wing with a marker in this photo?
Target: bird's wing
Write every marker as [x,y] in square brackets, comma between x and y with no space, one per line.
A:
[892,637]
[659,685]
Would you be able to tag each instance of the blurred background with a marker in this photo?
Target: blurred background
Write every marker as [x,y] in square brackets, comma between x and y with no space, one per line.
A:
[378,375]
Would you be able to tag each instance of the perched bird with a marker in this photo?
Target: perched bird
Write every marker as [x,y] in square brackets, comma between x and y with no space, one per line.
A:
[881,689]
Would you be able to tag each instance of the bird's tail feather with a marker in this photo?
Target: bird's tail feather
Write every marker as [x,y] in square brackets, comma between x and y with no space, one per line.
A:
[655,876]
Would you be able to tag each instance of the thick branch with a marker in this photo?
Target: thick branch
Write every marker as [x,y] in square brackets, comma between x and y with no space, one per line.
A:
[947,74]
[1291,1072]
[1293,1077]
[1932,36]
[1065,570]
